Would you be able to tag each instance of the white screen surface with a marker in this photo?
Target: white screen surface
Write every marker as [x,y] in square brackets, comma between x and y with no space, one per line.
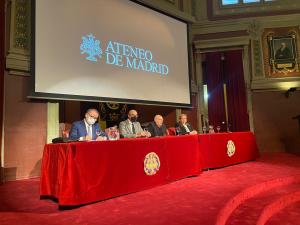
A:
[111,49]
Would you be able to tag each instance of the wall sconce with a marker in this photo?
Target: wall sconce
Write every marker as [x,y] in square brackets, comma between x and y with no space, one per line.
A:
[290,90]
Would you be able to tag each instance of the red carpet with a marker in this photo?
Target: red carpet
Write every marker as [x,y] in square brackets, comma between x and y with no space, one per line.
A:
[263,192]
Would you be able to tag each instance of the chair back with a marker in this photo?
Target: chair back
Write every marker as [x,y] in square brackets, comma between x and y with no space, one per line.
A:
[172,131]
[64,129]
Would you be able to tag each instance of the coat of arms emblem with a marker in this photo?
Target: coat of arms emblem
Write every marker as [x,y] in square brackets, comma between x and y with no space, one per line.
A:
[151,163]
[230,148]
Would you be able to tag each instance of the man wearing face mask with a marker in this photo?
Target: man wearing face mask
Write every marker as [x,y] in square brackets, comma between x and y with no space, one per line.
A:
[130,128]
[87,129]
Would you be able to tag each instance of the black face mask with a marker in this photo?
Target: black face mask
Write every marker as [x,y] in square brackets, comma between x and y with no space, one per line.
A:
[133,119]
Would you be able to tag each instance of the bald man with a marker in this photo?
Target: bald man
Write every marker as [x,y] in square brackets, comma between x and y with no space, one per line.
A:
[157,128]
[88,128]
[131,128]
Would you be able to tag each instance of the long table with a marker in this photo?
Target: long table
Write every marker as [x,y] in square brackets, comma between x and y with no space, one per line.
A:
[224,149]
[84,172]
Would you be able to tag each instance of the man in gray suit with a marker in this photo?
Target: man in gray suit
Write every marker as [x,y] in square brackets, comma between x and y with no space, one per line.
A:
[130,128]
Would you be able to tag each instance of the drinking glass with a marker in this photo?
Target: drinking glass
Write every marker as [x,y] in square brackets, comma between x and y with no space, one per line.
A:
[177,131]
[98,133]
[211,129]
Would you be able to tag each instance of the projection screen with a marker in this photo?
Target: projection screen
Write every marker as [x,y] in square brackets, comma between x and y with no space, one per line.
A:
[109,50]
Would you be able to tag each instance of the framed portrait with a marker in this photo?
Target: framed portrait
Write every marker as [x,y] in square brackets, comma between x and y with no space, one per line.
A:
[280,48]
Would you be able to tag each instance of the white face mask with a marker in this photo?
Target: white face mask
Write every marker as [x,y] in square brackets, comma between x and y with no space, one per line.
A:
[90,120]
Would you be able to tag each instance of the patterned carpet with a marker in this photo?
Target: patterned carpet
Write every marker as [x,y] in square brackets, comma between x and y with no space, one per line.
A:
[266,191]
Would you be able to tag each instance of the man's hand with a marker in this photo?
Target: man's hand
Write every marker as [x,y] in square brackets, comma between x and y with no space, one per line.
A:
[194,132]
[88,138]
[143,134]
[100,138]
[148,134]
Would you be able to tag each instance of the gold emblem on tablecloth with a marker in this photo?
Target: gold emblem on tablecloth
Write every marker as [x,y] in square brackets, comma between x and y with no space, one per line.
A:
[230,148]
[151,163]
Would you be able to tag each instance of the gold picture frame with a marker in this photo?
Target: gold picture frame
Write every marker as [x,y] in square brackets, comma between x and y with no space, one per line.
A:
[280,51]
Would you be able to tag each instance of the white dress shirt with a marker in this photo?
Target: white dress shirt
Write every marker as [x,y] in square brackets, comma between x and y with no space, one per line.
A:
[87,130]
[186,128]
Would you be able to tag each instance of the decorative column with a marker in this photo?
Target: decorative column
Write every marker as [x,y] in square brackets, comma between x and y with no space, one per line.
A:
[2,69]
[52,121]
[178,112]
[200,93]
[18,58]
[255,31]
[247,78]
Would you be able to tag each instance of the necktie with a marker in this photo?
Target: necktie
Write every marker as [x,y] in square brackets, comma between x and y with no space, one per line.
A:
[133,129]
[90,132]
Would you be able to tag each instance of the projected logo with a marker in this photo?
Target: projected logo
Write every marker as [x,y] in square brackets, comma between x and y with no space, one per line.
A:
[122,55]
[91,47]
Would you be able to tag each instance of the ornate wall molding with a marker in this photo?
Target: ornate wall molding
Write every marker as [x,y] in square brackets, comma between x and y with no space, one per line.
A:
[279,6]
[172,7]
[254,28]
[275,84]
[253,25]
[257,59]
[18,58]
[221,43]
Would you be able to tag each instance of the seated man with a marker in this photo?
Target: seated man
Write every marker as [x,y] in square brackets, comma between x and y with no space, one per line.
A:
[87,129]
[182,127]
[157,128]
[130,128]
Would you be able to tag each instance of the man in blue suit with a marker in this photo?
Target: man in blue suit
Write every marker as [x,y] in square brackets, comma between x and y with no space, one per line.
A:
[87,129]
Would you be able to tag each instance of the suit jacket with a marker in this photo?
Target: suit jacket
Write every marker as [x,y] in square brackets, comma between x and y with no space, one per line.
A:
[126,129]
[157,131]
[78,130]
[182,130]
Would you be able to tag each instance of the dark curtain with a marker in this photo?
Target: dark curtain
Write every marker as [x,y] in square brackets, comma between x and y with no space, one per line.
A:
[238,118]
[226,67]
[215,78]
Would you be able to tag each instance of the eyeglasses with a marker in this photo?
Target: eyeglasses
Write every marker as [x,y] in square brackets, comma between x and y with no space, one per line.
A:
[95,117]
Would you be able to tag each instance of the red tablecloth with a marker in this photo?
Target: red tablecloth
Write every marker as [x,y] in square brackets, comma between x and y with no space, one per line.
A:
[224,149]
[84,172]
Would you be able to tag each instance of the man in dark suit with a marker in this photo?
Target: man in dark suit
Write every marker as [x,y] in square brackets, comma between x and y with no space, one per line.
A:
[87,129]
[157,128]
[183,127]
[283,52]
